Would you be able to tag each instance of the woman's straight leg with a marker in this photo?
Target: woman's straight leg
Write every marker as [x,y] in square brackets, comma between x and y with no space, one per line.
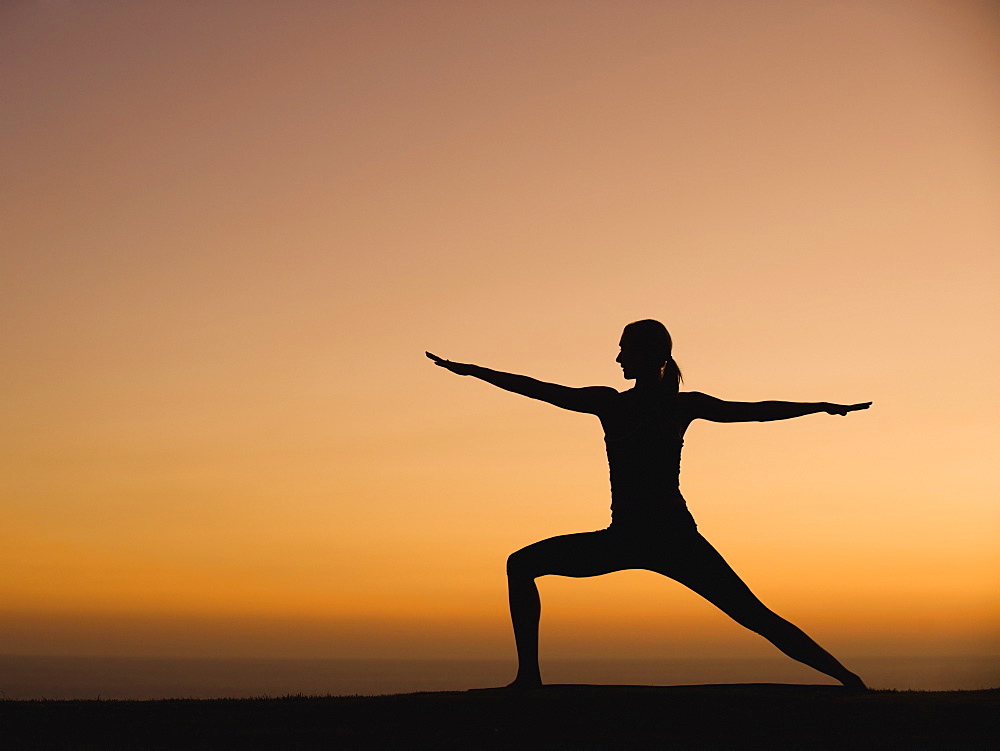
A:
[699,566]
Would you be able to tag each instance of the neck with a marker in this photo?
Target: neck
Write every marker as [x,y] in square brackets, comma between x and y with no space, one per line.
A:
[648,381]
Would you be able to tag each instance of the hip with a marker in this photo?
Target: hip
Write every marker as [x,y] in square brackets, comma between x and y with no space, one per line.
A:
[646,515]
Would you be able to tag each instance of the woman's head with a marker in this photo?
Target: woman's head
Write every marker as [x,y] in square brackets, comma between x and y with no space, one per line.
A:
[647,351]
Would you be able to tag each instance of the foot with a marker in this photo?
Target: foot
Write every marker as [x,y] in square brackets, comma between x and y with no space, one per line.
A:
[533,680]
[854,682]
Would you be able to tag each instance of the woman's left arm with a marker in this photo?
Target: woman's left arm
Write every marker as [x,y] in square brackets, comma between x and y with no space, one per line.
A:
[709,408]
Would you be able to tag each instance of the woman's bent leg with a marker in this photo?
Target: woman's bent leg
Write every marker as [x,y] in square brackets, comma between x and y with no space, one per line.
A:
[584,554]
[701,568]
[525,614]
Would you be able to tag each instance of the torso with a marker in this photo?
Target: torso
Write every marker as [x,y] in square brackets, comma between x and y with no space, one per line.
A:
[644,434]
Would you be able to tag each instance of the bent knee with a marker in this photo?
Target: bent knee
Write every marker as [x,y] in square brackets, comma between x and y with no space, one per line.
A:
[519,565]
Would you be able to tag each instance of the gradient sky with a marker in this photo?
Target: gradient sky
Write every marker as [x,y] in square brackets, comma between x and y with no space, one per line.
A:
[230,230]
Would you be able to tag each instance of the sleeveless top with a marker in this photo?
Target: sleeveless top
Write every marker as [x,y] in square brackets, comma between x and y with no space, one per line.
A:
[644,460]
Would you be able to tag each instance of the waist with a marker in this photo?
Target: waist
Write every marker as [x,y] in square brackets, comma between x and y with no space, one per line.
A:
[644,473]
[655,510]
[647,485]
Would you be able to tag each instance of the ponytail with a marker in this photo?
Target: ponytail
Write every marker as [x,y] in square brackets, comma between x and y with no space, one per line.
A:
[671,378]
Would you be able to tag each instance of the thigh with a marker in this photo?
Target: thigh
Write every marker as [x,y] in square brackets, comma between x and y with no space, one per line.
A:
[697,565]
[578,555]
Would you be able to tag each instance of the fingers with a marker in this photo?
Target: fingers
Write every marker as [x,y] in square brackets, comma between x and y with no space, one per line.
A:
[843,409]
[442,363]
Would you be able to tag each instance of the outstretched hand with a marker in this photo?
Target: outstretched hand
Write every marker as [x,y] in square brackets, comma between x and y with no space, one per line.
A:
[458,368]
[843,409]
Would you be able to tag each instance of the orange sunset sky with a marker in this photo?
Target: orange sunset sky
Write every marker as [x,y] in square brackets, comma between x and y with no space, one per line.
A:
[231,229]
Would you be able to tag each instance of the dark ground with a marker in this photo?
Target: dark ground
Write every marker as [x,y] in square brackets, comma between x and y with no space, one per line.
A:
[615,717]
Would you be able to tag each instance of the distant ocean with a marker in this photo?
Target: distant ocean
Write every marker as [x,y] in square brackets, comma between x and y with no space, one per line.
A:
[161,678]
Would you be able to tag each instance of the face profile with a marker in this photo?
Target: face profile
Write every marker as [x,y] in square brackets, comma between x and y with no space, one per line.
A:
[635,358]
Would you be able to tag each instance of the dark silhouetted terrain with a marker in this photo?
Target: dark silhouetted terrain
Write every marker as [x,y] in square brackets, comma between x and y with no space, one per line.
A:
[569,716]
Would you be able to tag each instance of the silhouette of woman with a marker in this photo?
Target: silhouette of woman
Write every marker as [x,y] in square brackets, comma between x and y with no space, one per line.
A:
[651,527]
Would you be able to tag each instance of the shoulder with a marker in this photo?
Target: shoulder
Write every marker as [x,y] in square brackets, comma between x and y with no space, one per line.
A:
[695,403]
[596,400]
[602,391]
[600,394]
[694,397]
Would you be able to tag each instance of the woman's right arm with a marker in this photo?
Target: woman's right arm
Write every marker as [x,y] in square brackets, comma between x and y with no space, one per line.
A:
[591,399]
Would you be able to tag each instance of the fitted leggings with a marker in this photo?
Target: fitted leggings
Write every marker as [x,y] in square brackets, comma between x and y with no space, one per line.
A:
[684,556]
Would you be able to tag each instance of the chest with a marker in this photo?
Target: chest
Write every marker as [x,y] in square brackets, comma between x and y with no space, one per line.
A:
[639,417]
